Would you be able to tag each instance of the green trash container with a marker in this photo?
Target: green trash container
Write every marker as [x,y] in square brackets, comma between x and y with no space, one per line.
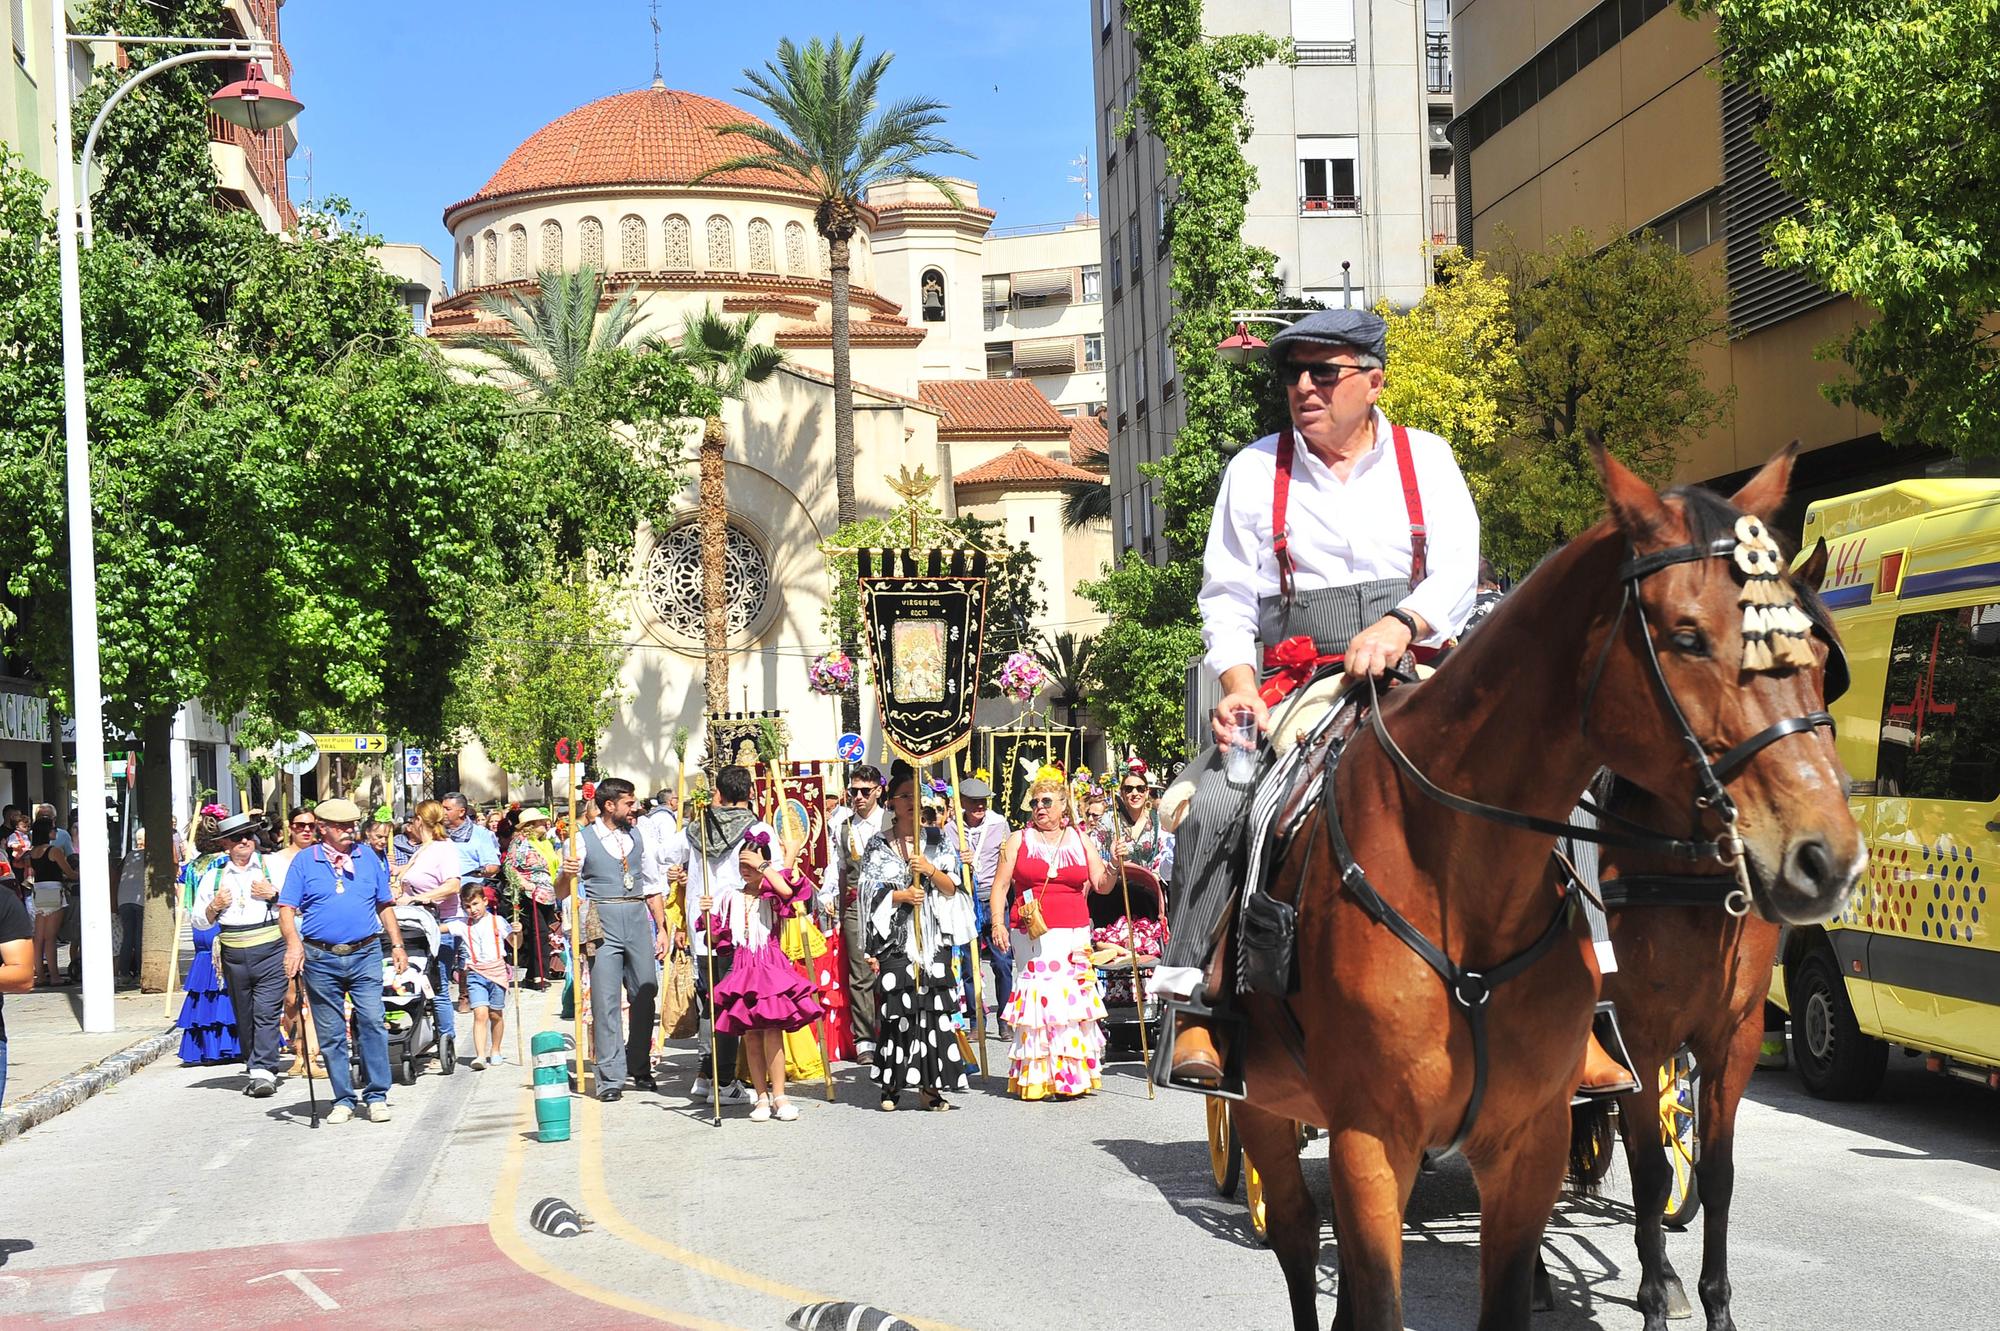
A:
[551,1086]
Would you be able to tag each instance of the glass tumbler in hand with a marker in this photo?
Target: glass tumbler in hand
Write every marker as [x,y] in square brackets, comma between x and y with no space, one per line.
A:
[1239,763]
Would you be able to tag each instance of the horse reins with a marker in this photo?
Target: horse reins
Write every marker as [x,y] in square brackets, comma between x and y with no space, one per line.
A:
[1473,989]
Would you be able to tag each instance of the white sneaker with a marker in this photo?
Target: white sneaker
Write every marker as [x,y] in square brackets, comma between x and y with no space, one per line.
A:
[494,1060]
[785,1112]
[762,1113]
[339,1114]
[736,1093]
[478,1063]
[377,1112]
[700,1089]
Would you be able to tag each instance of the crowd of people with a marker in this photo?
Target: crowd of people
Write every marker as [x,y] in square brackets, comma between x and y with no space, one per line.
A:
[297,936]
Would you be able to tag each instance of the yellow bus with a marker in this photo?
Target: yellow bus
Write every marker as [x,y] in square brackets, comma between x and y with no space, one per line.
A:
[1913,581]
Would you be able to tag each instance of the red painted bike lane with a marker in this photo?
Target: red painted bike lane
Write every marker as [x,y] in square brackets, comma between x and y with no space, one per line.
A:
[452,1276]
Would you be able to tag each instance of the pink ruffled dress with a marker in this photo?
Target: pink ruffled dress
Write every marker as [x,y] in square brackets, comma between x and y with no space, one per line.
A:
[764,990]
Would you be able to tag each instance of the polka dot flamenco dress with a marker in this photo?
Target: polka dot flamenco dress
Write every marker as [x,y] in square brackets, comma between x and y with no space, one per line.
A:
[918,1039]
[1056,1011]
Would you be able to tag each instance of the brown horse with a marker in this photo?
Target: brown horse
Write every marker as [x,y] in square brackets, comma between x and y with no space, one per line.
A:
[1623,650]
[1691,975]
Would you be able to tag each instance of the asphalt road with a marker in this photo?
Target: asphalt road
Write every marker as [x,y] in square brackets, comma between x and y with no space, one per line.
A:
[171,1201]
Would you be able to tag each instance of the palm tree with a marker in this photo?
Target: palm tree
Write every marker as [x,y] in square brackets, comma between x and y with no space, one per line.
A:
[1067,659]
[831,135]
[1085,502]
[555,332]
[722,355]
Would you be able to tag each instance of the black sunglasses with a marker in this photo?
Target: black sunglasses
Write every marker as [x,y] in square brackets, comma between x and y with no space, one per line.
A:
[1129,790]
[1044,802]
[308,826]
[1324,374]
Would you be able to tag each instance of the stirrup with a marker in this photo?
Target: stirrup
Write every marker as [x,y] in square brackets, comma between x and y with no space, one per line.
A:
[1604,1025]
[1230,1030]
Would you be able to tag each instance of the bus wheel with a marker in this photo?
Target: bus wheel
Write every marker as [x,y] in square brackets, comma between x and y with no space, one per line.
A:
[1835,1060]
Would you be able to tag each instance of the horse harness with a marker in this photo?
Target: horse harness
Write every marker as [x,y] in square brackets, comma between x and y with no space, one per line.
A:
[1472,989]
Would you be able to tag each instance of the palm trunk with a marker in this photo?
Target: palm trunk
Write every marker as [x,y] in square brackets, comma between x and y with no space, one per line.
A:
[156,814]
[843,441]
[714,543]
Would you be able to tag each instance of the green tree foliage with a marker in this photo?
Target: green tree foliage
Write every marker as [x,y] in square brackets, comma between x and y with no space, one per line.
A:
[545,670]
[1191,97]
[1608,338]
[1455,364]
[1882,119]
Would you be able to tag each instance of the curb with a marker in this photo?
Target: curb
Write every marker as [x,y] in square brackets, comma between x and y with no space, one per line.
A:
[71,1091]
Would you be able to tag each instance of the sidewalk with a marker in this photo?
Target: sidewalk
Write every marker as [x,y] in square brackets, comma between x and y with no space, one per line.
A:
[46,1041]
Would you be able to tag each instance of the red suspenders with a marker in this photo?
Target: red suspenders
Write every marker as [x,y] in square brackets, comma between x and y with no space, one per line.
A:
[1281,494]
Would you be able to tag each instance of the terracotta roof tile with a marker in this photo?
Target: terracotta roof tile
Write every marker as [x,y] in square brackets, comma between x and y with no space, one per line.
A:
[878,331]
[1023,468]
[1089,442]
[654,136]
[993,408]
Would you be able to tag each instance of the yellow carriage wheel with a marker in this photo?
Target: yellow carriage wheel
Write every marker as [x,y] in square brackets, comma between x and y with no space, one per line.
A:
[1680,1135]
[1225,1152]
[1253,1197]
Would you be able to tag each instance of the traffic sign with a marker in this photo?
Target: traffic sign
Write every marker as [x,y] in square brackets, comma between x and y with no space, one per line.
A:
[352,743]
[850,748]
[413,767]
[299,754]
[566,751]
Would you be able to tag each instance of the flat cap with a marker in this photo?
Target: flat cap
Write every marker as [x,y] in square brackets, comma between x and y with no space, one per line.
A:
[972,788]
[337,811]
[1364,330]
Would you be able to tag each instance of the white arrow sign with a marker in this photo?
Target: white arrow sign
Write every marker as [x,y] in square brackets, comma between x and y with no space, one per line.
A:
[306,1286]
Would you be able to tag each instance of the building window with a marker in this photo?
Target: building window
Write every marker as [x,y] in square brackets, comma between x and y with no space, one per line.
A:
[491,272]
[632,243]
[763,258]
[1940,736]
[1146,518]
[1093,351]
[721,245]
[1093,281]
[517,251]
[1558,62]
[1139,381]
[21,32]
[1117,269]
[676,244]
[1166,368]
[999,360]
[1113,118]
[1134,243]
[468,267]
[1131,113]
[826,258]
[1161,213]
[1125,517]
[1323,31]
[795,249]
[673,581]
[1104,11]
[933,295]
[1692,226]
[1327,174]
[590,239]
[552,245]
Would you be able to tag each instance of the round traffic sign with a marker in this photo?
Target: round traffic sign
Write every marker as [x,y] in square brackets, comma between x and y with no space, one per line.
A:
[850,748]
[563,750]
[299,754]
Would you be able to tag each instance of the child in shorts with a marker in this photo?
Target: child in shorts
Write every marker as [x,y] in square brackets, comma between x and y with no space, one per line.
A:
[487,975]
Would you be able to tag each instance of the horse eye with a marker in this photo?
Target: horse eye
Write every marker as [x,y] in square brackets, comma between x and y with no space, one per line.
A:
[1690,640]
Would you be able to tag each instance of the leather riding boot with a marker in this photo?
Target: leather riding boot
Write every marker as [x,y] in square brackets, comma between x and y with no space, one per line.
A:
[1601,1072]
[1196,1058]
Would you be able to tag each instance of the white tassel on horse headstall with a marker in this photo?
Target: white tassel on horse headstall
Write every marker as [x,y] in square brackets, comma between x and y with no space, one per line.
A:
[1775,630]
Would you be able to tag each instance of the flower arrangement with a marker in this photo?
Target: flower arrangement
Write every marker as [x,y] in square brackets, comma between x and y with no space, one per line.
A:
[831,673]
[1021,678]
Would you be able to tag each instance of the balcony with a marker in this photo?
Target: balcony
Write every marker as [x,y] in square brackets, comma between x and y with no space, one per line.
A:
[1324,53]
[1329,205]
[1437,63]
[1444,220]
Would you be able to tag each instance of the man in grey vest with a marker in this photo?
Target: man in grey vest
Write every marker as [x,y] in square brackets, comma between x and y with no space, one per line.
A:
[621,881]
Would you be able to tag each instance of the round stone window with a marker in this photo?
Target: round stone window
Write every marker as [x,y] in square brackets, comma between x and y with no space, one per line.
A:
[673,581]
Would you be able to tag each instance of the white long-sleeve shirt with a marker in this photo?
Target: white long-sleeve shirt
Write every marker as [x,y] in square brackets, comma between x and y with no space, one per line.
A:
[1342,533]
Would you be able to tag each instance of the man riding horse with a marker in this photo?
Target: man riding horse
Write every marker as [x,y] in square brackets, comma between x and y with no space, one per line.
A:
[1320,551]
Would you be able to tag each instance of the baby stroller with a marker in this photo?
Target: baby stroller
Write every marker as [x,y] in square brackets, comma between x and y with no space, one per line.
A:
[411,1022]
[1111,954]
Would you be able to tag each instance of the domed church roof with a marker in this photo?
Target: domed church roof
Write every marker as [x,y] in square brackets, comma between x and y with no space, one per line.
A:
[654,136]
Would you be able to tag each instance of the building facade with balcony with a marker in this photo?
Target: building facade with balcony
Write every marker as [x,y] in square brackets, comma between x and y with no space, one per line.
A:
[1043,308]
[1353,195]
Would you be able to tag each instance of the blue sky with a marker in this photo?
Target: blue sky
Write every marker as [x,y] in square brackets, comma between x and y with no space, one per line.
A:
[410,106]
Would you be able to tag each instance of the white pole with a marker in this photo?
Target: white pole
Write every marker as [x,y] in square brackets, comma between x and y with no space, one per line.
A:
[87,691]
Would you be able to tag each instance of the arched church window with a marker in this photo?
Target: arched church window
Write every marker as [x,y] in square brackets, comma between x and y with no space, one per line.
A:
[677,242]
[795,250]
[721,245]
[673,580]
[468,266]
[933,295]
[590,235]
[826,258]
[552,246]
[517,251]
[632,243]
[762,257]
[491,272]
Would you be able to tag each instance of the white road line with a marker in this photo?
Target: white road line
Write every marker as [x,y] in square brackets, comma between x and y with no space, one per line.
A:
[147,1230]
[302,1279]
[1961,1210]
[87,1299]
[227,1153]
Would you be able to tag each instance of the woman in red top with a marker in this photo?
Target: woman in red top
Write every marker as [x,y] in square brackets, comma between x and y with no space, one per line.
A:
[1045,871]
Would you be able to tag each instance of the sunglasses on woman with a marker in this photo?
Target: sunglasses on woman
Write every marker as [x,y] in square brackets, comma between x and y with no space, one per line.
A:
[1045,802]
[303,826]
[1133,790]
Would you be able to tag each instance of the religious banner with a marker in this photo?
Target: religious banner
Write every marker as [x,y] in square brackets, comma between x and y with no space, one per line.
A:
[732,738]
[1014,756]
[926,617]
[805,789]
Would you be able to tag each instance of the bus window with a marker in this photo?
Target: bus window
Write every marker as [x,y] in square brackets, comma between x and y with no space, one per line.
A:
[1941,707]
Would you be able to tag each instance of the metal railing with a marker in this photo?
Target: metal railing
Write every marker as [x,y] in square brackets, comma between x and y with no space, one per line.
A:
[1444,219]
[1312,205]
[1437,61]
[1324,53]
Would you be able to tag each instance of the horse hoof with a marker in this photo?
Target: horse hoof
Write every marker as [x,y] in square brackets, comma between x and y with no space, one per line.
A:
[1678,1307]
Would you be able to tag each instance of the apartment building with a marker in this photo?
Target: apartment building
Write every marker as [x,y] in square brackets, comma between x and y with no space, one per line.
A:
[1608,115]
[1353,194]
[1043,294]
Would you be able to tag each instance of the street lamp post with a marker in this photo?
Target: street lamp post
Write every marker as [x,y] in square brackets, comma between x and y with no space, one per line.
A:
[253,104]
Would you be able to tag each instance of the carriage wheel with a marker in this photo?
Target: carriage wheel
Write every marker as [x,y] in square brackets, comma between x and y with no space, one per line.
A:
[1225,1152]
[1680,1134]
[1253,1198]
[1594,1137]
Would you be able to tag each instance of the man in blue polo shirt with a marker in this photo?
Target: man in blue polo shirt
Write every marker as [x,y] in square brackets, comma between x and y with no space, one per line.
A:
[333,909]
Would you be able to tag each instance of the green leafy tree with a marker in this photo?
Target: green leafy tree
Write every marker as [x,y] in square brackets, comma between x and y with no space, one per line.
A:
[1066,657]
[1609,341]
[726,358]
[1190,95]
[1881,118]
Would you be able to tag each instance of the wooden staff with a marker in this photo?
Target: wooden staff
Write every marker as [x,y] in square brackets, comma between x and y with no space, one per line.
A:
[965,878]
[708,916]
[577,969]
[1132,945]
[680,747]
[514,939]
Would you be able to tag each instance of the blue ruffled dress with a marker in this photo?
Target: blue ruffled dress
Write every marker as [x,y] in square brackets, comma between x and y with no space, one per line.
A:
[208,1018]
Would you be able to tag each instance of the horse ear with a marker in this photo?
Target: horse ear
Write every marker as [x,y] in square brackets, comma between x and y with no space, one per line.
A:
[1811,570]
[1762,493]
[1635,505]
